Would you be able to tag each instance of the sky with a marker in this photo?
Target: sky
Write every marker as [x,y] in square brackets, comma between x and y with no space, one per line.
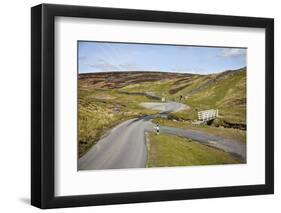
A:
[108,56]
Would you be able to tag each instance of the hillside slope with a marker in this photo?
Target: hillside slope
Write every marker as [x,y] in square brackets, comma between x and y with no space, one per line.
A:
[225,91]
[106,99]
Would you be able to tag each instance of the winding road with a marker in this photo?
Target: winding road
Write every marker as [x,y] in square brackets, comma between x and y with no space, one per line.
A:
[124,146]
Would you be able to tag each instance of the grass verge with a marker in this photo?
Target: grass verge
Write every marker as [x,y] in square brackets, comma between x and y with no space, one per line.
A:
[229,133]
[168,150]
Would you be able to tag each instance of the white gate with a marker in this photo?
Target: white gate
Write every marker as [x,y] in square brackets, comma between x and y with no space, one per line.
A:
[208,115]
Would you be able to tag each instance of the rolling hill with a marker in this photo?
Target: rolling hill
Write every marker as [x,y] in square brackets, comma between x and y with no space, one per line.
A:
[108,98]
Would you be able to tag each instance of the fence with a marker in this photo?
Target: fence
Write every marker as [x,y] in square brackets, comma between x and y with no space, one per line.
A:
[208,115]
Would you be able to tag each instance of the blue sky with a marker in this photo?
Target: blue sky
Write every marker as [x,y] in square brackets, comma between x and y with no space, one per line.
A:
[106,56]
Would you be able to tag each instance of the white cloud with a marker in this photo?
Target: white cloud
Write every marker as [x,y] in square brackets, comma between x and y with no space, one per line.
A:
[233,52]
[128,67]
[104,65]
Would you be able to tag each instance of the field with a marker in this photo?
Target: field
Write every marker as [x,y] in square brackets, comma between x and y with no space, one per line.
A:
[110,98]
[168,150]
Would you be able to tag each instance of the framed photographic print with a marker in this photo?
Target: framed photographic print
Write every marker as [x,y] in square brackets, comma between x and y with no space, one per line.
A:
[139,106]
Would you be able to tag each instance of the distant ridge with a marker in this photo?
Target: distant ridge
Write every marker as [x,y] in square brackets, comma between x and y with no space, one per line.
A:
[123,72]
[120,79]
[161,72]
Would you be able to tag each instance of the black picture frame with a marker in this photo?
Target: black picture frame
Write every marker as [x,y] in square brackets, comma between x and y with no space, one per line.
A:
[43,105]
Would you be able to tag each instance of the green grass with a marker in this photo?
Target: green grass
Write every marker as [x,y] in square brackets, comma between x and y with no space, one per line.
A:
[160,88]
[102,109]
[229,133]
[168,150]
[187,114]
[194,83]
[228,95]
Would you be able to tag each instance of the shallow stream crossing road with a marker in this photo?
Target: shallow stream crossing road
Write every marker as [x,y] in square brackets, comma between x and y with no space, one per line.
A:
[124,146]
